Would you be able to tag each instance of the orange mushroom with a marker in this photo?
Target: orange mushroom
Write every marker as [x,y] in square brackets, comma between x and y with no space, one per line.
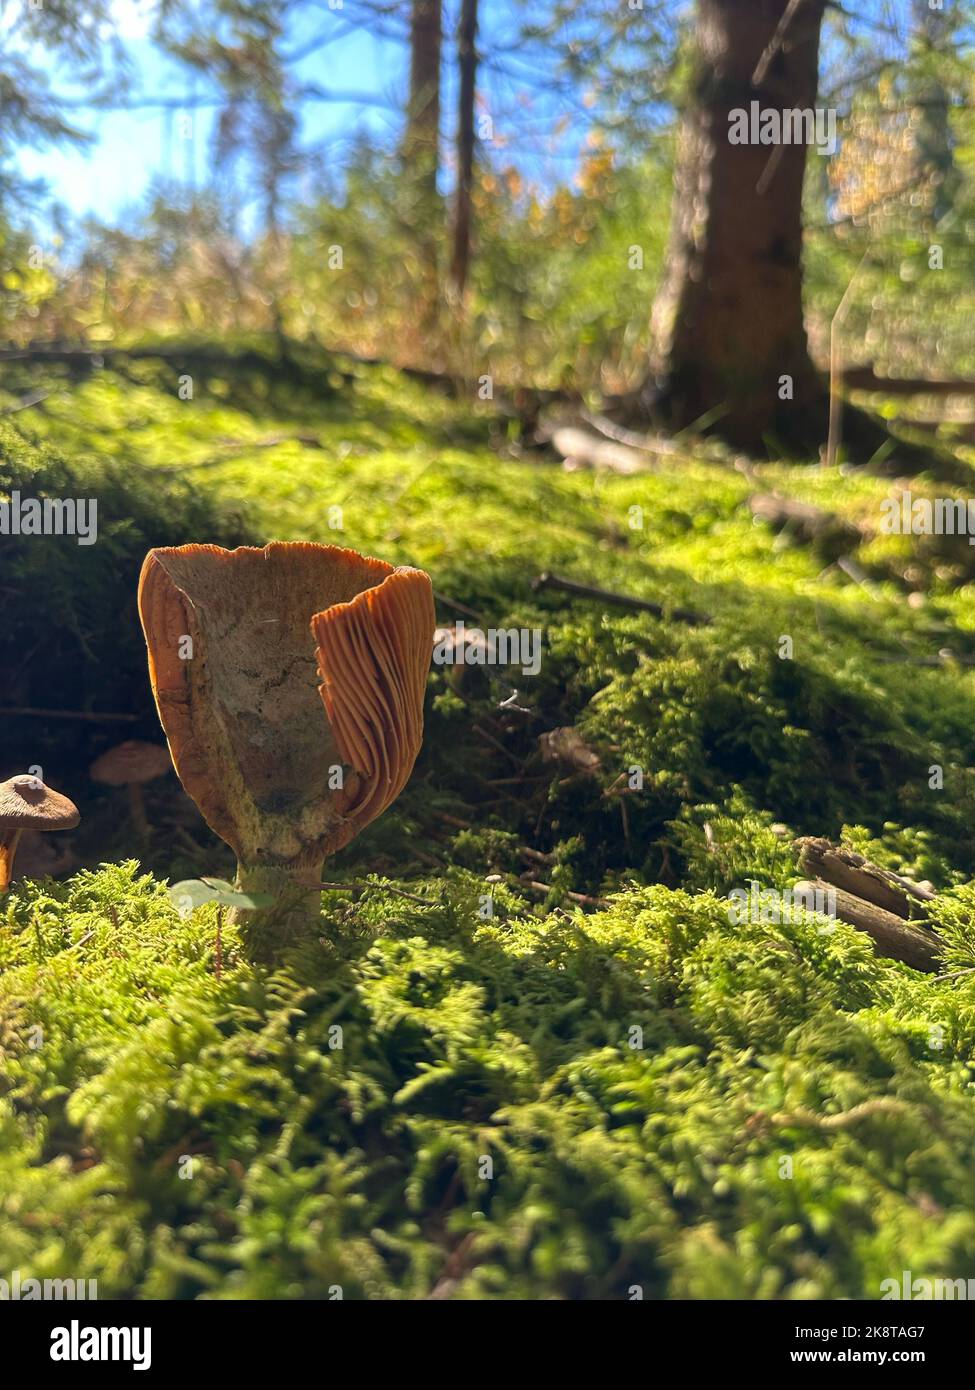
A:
[289,681]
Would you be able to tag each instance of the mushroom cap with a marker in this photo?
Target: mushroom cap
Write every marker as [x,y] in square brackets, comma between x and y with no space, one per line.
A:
[132,761]
[255,738]
[27,804]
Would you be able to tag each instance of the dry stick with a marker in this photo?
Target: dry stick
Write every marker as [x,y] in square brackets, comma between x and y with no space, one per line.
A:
[890,934]
[835,399]
[866,379]
[218,955]
[360,886]
[640,605]
[879,1105]
[768,173]
[624,817]
[29,712]
[458,607]
[33,399]
[758,77]
[948,659]
[631,438]
[535,856]
[81,941]
[430,860]
[581,898]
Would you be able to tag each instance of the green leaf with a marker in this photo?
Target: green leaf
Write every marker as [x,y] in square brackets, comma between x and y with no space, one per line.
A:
[192,893]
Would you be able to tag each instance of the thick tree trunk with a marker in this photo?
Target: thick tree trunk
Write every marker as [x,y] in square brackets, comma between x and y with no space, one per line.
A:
[728,322]
[467,64]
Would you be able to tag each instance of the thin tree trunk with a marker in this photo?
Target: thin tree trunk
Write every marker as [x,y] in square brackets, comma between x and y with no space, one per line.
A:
[421,143]
[467,65]
[728,321]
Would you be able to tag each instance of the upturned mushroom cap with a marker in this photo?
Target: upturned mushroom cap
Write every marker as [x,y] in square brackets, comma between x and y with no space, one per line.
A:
[130,762]
[27,804]
[255,738]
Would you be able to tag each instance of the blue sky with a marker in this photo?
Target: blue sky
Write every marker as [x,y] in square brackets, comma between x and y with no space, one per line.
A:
[130,148]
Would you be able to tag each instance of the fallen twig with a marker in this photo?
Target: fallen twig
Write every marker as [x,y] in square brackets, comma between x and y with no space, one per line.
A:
[218,954]
[835,399]
[360,886]
[632,439]
[93,716]
[33,399]
[80,942]
[640,605]
[880,1105]
[458,607]
[866,379]
[582,898]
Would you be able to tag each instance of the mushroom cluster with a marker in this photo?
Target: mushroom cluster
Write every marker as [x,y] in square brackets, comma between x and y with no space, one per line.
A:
[27,804]
[289,681]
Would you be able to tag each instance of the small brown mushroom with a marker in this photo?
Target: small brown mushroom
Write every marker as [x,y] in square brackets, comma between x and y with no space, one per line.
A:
[290,683]
[130,765]
[26,804]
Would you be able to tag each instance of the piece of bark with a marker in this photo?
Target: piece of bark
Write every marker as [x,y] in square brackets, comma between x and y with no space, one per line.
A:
[891,935]
[866,379]
[567,746]
[851,872]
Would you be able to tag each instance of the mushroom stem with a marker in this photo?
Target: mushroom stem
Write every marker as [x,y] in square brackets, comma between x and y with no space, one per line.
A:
[8,848]
[137,810]
[293,915]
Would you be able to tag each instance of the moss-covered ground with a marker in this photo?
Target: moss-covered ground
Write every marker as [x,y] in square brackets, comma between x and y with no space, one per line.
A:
[547,1095]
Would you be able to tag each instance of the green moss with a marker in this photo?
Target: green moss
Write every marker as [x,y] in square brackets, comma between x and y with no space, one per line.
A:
[799,1121]
[557,1107]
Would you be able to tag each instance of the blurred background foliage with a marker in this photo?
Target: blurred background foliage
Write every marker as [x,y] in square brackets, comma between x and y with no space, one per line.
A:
[575,111]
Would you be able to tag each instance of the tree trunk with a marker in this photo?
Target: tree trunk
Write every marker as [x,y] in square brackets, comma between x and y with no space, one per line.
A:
[421,143]
[728,322]
[467,65]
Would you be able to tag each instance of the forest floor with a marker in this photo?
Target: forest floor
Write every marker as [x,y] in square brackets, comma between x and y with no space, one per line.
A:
[575,1096]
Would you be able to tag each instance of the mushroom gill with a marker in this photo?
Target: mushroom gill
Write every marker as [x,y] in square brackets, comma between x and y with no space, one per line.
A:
[286,769]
